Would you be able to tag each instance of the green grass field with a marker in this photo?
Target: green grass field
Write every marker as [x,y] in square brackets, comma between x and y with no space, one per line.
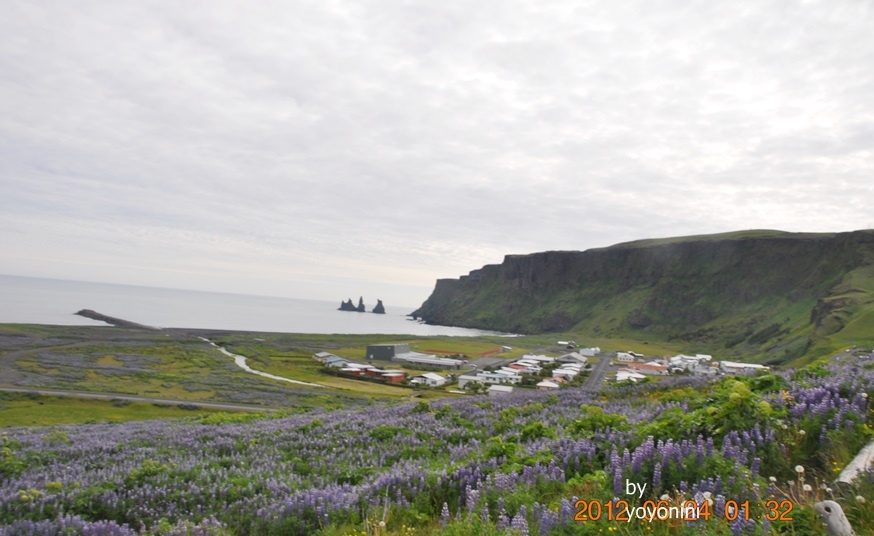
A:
[29,409]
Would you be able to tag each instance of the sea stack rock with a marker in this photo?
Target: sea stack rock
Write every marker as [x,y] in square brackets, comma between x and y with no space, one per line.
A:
[361,308]
[380,308]
[348,306]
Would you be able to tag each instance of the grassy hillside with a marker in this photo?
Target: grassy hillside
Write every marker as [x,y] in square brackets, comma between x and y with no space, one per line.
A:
[771,296]
[557,464]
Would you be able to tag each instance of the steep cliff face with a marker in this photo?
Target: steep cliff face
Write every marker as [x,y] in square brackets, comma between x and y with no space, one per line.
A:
[720,288]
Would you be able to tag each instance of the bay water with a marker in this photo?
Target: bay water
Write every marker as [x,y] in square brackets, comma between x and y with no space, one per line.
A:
[30,300]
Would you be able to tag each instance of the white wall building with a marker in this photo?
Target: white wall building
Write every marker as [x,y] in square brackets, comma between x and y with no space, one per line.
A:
[430,379]
[731,367]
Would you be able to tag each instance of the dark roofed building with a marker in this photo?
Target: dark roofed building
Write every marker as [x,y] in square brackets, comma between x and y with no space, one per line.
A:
[385,352]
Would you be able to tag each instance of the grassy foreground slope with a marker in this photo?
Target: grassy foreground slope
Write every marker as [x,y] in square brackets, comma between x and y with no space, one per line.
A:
[752,455]
[767,295]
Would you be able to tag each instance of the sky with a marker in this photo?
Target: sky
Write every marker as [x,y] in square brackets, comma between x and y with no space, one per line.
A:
[331,149]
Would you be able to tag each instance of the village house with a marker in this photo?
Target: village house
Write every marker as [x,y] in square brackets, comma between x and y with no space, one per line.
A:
[394,376]
[496,377]
[498,390]
[335,361]
[624,357]
[730,367]
[628,374]
[573,357]
[538,359]
[322,356]
[568,372]
[429,379]
[648,369]
[547,385]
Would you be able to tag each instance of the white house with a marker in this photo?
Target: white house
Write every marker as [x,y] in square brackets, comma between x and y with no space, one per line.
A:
[589,352]
[537,358]
[625,374]
[649,370]
[573,357]
[689,362]
[335,361]
[547,386]
[322,356]
[465,379]
[567,374]
[430,379]
[497,390]
[497,377]
[624,357]
[730,367]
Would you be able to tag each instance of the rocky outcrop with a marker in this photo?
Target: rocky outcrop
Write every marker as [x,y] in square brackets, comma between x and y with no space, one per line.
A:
[713,288]
[360,308]
[347,306]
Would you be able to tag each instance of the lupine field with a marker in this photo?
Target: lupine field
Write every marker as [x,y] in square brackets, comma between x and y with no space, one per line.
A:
[527,463]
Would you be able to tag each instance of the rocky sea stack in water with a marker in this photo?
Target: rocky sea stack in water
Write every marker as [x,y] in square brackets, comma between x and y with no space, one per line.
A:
[360,308]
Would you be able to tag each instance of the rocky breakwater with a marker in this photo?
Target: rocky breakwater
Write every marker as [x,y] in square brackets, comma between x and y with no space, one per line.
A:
[117,322]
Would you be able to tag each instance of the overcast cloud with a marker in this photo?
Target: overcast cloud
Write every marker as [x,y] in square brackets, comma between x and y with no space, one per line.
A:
[335,148]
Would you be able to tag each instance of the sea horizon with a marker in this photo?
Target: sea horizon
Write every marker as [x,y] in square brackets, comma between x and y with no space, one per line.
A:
[51,301]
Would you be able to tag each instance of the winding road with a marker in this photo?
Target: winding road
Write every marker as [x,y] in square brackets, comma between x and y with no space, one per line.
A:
[241,362]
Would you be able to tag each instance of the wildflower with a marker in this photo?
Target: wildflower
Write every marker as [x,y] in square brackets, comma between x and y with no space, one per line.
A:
[773,479]
[665,497]
[799,469]
[807,487]
[860,499]
[802,432]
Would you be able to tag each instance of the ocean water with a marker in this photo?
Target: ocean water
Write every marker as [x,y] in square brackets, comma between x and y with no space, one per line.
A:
[28,300]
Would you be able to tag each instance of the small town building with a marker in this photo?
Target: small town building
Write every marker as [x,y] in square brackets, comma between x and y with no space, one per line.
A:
[648,369]
[394,376]
[626,374]
[335,361]
[624,357]
[547,386]
[322,356]
[430,379]
[384,352]
[730,367]
[573,357]
[498,390]
[567,374]
[537,359]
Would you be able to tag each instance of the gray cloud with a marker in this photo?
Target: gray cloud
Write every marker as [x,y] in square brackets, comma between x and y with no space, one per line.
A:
[326,149]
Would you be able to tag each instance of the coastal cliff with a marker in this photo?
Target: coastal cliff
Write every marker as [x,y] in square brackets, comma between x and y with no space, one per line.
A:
[730,291]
